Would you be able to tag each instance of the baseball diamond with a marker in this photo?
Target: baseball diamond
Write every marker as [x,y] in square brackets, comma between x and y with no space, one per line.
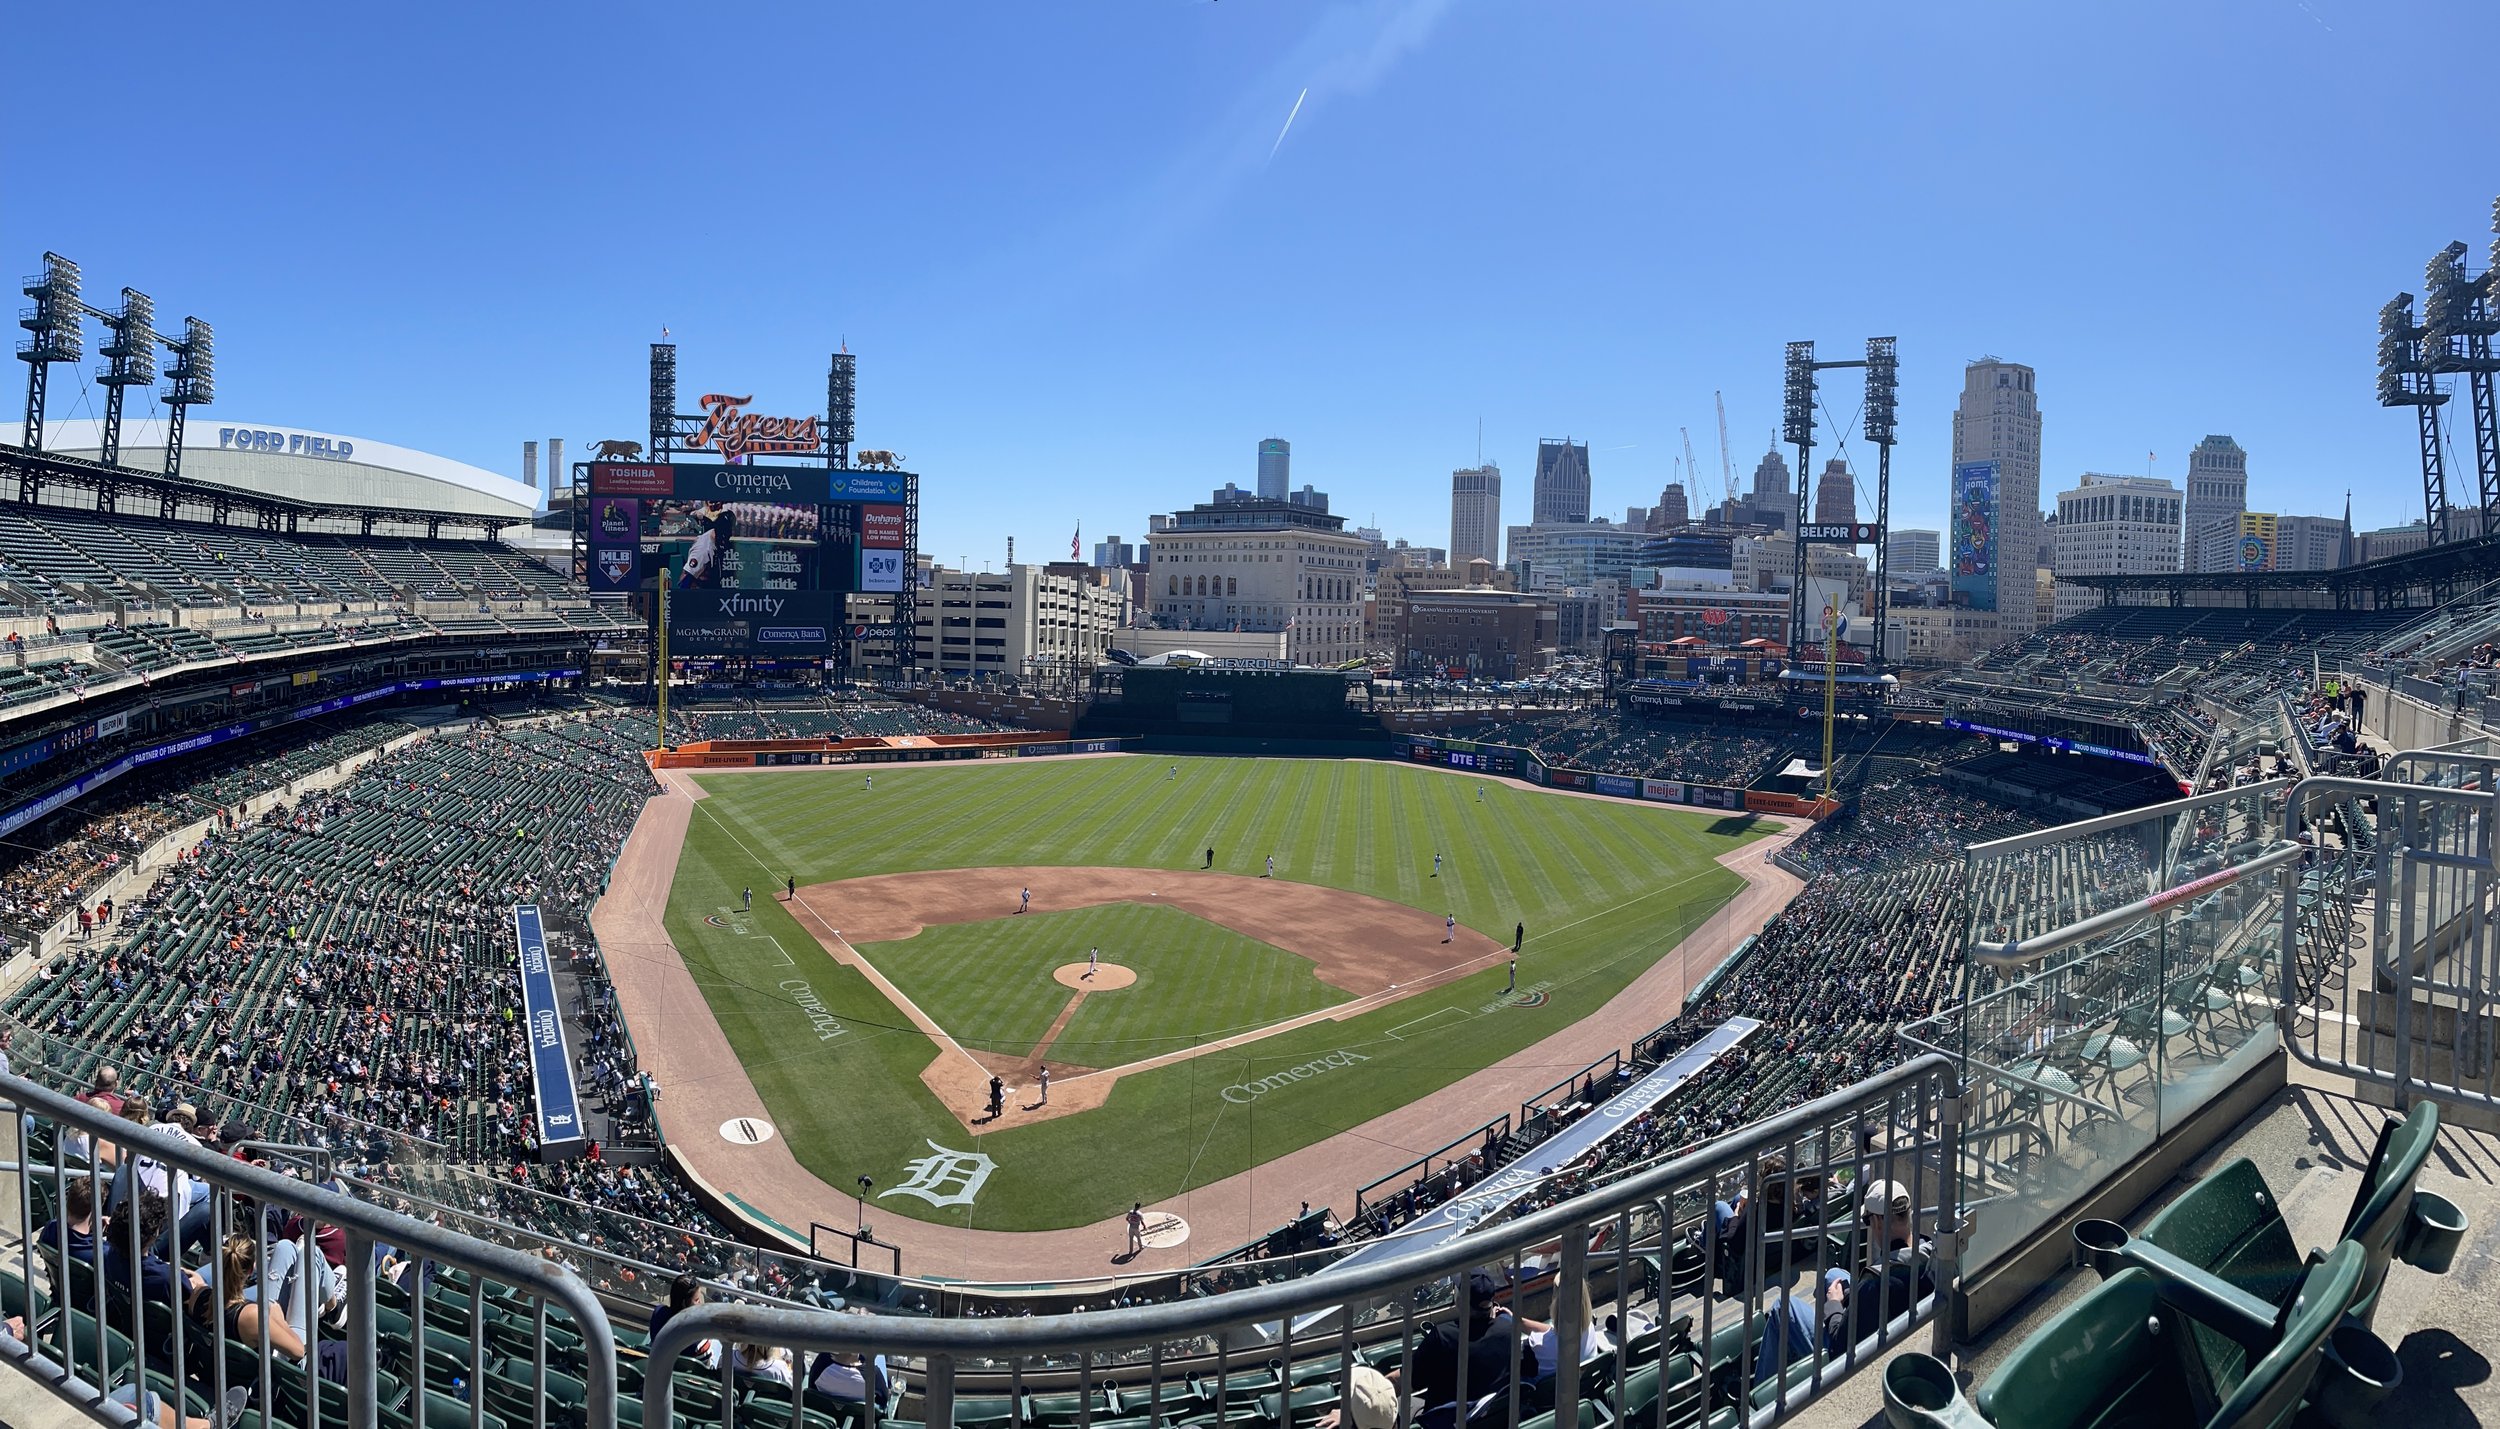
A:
[1258,1019]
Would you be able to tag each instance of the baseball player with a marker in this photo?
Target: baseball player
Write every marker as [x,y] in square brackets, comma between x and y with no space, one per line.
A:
[1436,865]
[1271,867]
[746,900]
[1044,1075]
[872,783]
[1024,901]
[1449,927]
[1136,1229]
[1093,963]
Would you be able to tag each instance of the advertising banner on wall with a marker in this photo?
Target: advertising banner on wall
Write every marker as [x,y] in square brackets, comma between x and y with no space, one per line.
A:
[551,1066]
[1664,791]
[1617,785]
[1975,523]
[798,485]
[758,622]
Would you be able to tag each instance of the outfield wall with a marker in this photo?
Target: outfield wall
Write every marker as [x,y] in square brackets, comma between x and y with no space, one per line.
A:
[868,749]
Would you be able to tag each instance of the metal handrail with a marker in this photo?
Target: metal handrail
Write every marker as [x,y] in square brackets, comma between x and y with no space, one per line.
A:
[2016,952]
[1271,1310]
[365,1226]
[2062,833]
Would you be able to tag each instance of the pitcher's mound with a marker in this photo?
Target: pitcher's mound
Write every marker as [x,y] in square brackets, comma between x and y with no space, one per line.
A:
[1106,977]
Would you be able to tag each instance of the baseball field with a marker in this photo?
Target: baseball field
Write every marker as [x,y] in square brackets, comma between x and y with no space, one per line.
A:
[1195,1021]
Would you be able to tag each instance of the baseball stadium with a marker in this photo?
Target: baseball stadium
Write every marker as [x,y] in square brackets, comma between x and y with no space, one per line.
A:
[471,965]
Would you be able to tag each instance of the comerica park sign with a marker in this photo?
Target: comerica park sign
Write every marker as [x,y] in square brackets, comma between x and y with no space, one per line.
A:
[1843,533]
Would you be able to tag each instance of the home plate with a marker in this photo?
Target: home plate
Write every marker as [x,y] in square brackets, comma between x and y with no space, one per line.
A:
[746,1131]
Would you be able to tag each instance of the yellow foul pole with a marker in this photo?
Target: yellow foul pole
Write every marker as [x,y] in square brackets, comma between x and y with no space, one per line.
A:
[1831,686]
[662,741]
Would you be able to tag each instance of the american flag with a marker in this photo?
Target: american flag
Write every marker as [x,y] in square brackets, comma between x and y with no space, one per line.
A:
[1074,538]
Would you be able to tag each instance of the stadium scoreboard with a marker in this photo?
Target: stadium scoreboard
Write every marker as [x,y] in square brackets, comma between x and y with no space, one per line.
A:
[756,559]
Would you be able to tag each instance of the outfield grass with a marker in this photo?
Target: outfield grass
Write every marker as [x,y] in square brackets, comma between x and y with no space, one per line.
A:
[989,984]
[1605,889]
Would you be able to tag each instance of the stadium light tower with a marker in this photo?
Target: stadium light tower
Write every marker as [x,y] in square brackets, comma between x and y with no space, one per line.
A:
[663,399]
[1797,429]
[53,323]
[194,375]
[130,361]
[2457,324]
[2404,380]
[1883,393]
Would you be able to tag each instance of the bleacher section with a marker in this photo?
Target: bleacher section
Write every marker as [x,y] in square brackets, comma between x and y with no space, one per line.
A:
[1615,742]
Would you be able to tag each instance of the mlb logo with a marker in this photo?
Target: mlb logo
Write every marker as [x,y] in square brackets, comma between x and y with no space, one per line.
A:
[616,563]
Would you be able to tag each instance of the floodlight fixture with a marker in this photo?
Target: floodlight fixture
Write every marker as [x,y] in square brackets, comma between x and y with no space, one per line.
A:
[131,350]
[194,372]
[1797,397]
[1883,389]
[54,319]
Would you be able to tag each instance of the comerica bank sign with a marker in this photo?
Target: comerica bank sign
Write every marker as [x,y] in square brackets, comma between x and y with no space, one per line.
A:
[260,439]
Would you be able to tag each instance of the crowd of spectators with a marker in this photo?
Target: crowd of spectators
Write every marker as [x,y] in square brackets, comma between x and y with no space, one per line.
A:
[47,871]
[1610,741]
[340,970]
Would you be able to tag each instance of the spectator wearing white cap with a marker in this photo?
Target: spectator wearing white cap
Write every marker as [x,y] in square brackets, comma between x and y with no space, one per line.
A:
[1896,1270]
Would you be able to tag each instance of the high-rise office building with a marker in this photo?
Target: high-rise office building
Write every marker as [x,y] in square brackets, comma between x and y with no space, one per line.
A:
[1476,514]
[2217,492]
[1275,468]
[1995,499]
[1561,491]
[2112,526]
[1836,495]
[1114,552]
[1673,509]
[1914,552]
[1770,483]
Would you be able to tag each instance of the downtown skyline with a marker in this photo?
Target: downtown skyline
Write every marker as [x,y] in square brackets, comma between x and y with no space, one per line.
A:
[1087,264]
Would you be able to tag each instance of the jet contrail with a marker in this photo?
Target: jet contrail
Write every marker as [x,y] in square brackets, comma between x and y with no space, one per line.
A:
[1281,133]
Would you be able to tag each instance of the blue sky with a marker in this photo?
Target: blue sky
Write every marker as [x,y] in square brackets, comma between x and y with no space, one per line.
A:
[1084,277]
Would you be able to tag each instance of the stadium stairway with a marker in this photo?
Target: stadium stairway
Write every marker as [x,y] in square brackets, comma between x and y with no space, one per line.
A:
[2311,1141]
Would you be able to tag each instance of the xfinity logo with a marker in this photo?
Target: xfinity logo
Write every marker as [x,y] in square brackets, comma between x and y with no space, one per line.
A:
[745,604]
[292,443]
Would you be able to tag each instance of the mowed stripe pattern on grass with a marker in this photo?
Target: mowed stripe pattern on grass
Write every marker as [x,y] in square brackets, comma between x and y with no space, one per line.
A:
[1605,889]
[989,984]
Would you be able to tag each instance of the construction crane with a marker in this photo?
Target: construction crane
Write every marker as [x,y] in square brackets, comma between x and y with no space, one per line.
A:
[1727,469]
[1692,474]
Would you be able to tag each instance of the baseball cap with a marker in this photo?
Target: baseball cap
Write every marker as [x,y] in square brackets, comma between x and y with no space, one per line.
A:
[1889,1196]
[1371,1402]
